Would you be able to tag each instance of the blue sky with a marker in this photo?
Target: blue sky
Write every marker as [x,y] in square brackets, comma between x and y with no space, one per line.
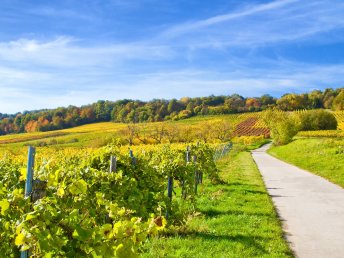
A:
[61,52]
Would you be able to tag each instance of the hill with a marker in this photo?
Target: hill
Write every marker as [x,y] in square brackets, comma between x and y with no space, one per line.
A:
[213,128]
[158,110]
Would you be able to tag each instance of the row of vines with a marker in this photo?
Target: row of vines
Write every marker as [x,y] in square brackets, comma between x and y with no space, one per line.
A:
[252,124]
[87,211]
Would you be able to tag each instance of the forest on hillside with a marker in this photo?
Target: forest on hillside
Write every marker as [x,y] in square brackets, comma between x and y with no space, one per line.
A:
[136,111]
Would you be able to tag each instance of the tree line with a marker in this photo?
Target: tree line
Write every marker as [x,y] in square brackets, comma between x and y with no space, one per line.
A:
[136,111]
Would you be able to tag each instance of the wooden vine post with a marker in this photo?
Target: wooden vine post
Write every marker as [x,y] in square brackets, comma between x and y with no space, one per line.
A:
[188,158]
[196,176]
[133,159]
[28,184]
[34,189]
[169,194]
[112,169]
[200,177]
[113,164]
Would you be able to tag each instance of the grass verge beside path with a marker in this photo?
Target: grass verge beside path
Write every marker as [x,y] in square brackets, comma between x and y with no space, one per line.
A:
[237,219]
[322,156]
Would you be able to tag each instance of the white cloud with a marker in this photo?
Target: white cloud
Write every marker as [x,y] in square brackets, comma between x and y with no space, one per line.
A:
[14,76]
[68,52]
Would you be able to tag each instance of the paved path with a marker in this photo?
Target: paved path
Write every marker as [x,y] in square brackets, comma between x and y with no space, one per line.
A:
[310,207]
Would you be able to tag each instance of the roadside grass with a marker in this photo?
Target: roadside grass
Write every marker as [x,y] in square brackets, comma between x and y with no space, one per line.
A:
[322,156]
[237,219]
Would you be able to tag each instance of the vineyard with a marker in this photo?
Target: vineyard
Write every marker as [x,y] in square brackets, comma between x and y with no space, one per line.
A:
[251,127]
[252,124]
[89,209]
[188,130]
[322,133]
[106,202]
[340,118]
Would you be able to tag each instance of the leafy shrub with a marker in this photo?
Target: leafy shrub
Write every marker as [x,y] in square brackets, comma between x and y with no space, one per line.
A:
[317,120]
[283,125]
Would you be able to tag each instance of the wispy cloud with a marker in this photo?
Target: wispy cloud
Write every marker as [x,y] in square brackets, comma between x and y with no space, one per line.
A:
[271,23]
[66,52]
[197,25]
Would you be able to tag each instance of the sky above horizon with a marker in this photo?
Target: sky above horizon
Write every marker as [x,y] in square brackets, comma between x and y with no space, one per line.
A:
[69,52]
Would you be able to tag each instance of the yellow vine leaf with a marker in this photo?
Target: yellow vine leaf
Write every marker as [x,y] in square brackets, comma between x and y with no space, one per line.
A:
[22,174]
[60,192]
[4,206]
[20,239]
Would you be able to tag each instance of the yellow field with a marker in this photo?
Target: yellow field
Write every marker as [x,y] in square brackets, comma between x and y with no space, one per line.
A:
[98,134]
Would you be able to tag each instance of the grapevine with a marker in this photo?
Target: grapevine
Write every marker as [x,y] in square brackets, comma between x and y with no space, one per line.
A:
[89,212]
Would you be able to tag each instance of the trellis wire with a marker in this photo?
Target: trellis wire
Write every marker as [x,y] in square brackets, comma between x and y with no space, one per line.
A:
[222,150]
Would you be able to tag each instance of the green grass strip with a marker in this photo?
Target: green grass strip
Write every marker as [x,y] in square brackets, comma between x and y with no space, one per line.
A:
[237,219]
[322,156]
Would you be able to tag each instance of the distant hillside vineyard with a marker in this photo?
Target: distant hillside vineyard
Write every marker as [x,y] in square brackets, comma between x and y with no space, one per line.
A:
[136,111]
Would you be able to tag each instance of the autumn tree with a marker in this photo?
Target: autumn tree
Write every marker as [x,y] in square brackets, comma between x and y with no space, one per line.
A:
[129,133]
[158,132]
[31,126]
[203,132]
[222,130]
[187,134]
[252,104]
[172,133]
[142,134]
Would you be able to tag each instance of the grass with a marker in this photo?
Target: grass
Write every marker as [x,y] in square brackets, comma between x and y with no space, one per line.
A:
[322,156]
[237,219]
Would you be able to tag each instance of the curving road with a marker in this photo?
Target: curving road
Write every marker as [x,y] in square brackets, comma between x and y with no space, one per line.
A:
[310,207]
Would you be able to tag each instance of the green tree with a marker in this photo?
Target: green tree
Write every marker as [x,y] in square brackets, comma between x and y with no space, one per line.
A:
[292,102]
[267,100]
[315,99]
[338,102]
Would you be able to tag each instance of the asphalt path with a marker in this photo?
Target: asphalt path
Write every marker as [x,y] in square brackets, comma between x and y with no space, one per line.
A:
[310,207]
